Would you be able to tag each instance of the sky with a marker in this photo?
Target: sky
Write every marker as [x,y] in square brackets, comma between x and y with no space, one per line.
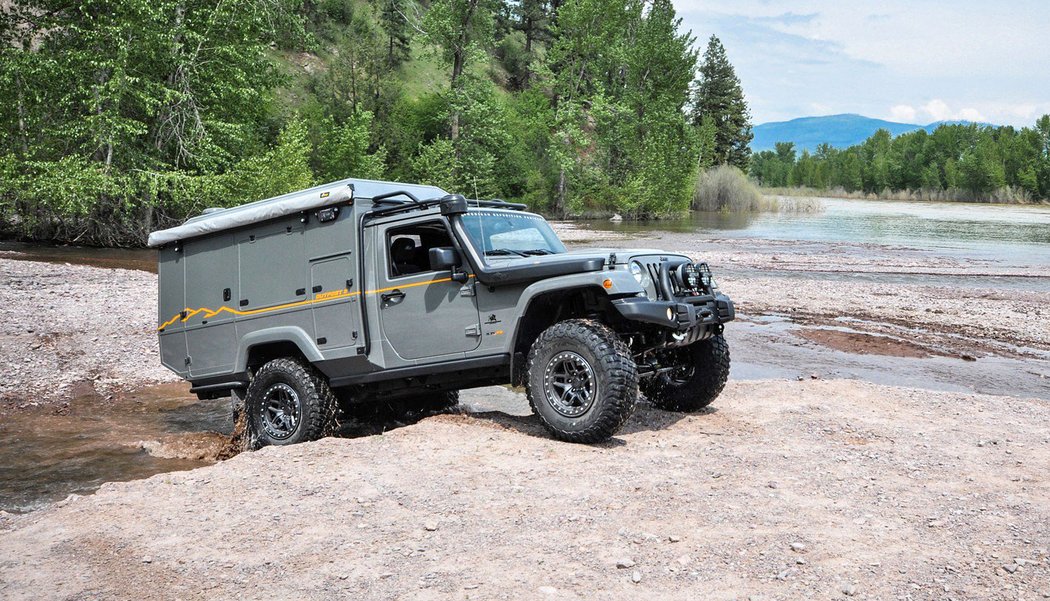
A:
[916,61]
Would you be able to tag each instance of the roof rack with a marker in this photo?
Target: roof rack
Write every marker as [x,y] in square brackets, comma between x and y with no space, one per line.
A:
[401,206]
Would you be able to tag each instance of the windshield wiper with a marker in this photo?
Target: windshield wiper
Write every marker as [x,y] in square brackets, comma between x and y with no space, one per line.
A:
[538,251]
[504,251]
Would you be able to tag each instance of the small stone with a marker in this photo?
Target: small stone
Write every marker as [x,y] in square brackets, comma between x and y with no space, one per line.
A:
[1011,567]
[800,561]
[430,525]
[684,560]
[386,575]
[624,563]
[786,573]
[636,577]
[147,559]
[674,538]
[849,590]
[344,576]
[773,485]
[798,547]
[548,590]
[814,376]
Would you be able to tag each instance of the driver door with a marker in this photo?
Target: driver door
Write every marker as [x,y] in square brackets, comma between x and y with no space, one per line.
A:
[424,313]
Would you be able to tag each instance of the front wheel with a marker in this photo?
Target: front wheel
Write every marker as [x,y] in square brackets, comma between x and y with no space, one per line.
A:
[582,381]
[288,402]
[699,375]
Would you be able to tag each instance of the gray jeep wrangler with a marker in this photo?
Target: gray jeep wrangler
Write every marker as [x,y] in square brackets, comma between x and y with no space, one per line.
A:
[362,291]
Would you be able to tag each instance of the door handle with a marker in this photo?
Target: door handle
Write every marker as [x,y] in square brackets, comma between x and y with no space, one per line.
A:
[389,296]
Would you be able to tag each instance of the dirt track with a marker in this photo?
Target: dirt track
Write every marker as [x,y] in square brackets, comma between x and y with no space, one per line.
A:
[789,490]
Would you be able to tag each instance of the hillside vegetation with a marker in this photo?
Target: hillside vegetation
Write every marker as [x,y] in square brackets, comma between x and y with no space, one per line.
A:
[122,117]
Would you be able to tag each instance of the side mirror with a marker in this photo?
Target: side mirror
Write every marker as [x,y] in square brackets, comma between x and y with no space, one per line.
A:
[446,257]
[443,257]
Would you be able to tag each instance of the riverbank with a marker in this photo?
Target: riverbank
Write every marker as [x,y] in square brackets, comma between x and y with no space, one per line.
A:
[69,331]
[784,490]
[808,482]
[1007,196]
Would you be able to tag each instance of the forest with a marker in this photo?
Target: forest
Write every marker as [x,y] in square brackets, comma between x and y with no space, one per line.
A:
[967,162]
[123,116]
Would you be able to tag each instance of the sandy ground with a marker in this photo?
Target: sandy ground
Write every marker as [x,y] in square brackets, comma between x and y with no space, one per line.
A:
[787,490]
[792,487]
[71,330]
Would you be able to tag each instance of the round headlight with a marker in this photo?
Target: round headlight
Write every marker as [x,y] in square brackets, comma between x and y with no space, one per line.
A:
[641,275]
[637,271]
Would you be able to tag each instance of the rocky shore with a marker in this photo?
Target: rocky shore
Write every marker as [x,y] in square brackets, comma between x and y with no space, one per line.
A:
[70,330]
[784,490]
[804,484]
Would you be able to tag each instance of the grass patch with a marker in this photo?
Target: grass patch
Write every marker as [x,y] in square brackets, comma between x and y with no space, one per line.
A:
[727,189]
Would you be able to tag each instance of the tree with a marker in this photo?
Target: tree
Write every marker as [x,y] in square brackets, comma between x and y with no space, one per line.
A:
[460,28]
[720,97]
[399,36]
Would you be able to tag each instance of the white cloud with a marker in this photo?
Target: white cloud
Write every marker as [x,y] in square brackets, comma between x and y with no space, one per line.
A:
[970,114]
[903,112]
[938,110]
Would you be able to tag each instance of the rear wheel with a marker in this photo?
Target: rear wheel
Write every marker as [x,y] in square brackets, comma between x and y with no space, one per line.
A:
[699,375]
[287,403]
[582,381]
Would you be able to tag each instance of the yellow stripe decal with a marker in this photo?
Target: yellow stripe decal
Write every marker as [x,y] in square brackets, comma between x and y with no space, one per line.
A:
[320,298]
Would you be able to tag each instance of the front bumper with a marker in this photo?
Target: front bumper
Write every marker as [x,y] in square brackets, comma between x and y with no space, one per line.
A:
[686,312]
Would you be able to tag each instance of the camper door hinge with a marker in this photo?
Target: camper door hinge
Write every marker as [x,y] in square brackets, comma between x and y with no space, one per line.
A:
[467,289]
[474,330]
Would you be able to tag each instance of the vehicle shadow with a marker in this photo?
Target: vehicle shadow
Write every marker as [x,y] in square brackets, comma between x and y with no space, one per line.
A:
[645,419]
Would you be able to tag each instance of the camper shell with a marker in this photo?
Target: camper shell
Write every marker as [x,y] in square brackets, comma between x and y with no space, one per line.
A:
[387,289]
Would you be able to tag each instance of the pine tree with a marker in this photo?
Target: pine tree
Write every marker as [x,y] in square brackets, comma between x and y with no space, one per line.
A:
[720,97]
[399,38]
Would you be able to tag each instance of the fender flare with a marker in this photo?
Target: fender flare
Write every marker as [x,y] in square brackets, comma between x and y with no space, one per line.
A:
[292,334]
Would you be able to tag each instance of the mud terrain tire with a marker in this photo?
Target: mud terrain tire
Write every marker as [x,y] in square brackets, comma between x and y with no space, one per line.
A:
[702,378]
[288,403]
[581,381]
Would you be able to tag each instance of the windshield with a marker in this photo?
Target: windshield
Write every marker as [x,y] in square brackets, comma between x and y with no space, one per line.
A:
[499,234]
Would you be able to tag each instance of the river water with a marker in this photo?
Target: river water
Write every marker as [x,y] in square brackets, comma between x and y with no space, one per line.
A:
[1011,235]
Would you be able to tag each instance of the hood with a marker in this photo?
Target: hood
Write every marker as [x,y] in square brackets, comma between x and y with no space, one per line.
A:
[623,255]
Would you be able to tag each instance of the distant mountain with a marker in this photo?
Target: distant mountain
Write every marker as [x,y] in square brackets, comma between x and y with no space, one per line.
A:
[839,131]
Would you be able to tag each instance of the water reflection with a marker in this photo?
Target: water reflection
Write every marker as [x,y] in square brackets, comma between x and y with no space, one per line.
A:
[1017,234]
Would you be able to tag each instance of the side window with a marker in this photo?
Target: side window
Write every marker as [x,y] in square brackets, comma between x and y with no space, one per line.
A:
[408,247]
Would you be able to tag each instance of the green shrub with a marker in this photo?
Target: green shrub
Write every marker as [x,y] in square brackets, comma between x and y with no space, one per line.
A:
[726,188]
